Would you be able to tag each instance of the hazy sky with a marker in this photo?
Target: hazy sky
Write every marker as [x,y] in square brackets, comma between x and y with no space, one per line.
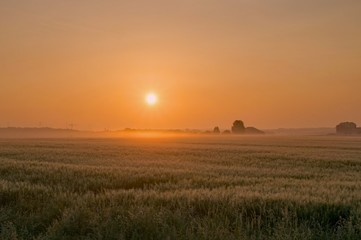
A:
[271,63]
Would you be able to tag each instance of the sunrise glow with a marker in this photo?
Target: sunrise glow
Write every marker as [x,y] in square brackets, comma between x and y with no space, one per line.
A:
[151,99]
[182,119]
[193,64]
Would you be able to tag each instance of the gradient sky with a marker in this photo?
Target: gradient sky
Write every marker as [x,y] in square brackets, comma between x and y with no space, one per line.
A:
[271,63]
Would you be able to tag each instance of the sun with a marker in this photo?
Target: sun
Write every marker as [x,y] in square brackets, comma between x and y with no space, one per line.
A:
[151,99]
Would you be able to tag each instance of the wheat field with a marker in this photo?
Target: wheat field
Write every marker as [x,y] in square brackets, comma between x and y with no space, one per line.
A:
[195,187]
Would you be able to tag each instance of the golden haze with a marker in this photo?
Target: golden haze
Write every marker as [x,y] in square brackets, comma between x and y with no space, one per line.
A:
[270,63]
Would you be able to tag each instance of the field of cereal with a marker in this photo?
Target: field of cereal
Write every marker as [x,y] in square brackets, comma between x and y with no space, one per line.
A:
[209,187]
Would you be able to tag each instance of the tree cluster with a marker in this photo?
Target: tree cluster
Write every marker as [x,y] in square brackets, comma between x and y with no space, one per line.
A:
[347,128]
[238,127]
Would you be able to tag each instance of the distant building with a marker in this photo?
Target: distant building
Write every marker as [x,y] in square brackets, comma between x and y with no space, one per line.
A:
[347,128]
[253,130]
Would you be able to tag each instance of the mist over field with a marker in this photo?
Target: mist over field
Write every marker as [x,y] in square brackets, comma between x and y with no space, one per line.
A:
[202,187]
[182,119]
[45,132]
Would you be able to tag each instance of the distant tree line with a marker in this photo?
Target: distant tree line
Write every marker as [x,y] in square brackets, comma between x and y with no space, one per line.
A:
[238,127]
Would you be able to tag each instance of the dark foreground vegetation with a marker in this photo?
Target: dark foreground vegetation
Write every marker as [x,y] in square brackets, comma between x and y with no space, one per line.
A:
[181,188]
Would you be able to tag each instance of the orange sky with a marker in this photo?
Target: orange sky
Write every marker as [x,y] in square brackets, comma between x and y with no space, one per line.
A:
[271,63]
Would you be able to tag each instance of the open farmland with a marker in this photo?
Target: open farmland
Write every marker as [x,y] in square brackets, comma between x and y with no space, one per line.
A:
[211,187]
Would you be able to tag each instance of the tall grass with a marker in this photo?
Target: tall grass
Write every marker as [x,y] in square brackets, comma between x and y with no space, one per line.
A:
[181,188]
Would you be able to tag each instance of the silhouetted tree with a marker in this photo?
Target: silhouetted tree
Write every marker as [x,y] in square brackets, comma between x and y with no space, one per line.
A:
[216,130]
[238,127]
[346,128]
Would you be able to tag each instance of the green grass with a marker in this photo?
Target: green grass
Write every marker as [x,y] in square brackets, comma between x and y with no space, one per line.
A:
[265,187]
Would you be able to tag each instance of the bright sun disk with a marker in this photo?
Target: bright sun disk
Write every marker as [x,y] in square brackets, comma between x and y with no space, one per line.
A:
[151,99]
